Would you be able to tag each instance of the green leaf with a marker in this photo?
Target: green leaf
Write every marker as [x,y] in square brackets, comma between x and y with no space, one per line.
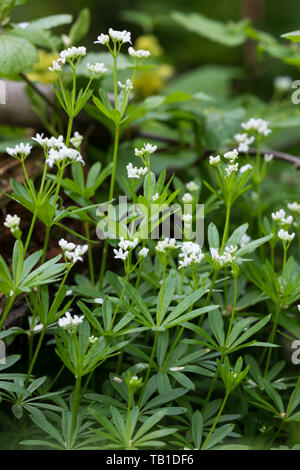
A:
[49,22]
[81,26]
[17,55]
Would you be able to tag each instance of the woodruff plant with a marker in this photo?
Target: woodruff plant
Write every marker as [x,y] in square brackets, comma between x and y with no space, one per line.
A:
[154,351]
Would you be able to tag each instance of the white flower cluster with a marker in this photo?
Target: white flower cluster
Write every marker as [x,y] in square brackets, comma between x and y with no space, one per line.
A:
[281,218]
[57,151]
[190,253]
[135,172]
[76,140]
[187,198]
[116,36]
[231,155]
[145,151]
[244,140]
[259,126]
[283,83]
[70,323]
[127,86]
[228,256]
[72,252]
[233,168]
[284,235]
[22,150]
[245,168]
[144,252]
[155,197]
[96,69]
[294,207]
[67,55]
[214,160]
[167,243]
[139,54]
[192,186]
[12,222]
[125,246]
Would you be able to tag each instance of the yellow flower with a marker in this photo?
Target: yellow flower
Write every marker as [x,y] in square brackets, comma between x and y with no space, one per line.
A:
[149,43]
[41,72]
[150,82]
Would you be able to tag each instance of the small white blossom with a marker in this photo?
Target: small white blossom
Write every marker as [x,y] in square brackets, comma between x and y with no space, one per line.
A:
[165,244]
[155,197]
[38,327]
[260,126]
[147,150]
[283,83]
[93,339]
[72,53]
[97,68]
[127,86]
[69,323]
[21,149]
[135,172]
[268,157]
[102,39]
[186,198]
[231,155]
[245,168]
[294,207]
[12,222]
[122,36]
[144,252]
[72,252]
[125,244]
[232,169]
[192,186]
[244,141]
[285,236]
[214,160]
[140,54]
[120,254]
[99,301]
[76,140]
[190,253]
[281,219]
[55,67]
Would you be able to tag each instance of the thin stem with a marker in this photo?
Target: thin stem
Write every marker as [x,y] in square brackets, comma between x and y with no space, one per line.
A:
[226,227]
[90,254]
[6,311]
[216,421]
[271,339]
[75,405]
[36,353]
[149,367]
[128,419]
[233,311]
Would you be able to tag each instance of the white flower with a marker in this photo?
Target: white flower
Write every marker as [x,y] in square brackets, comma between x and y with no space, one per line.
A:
[187,218]
[12,222]
[20,149]
[147,150]
[144,252]
[140,54]
[119,254]
[285,236]
[125,244]
[76,139]
[55,67]
[232,169]
[97,68]
[93,339]
[122,36]
[268,157]
[72,53]
[38,327]
[245,168]
[175,369]
[72,252]
[102,39]
[191,253]
[192,186]
[281,219]
[127,86]
[227,257]
[69,292]
[231,155]
[59,152]
[259,126]
[186,198]
[135,172]
[165,244]
[99,301]
[23,25]
[214,160]
[245,240]
[156,196]
[294,207]
[298,307]
[117,379]
[244,141]
[70,323]
[282,83]
[40,139]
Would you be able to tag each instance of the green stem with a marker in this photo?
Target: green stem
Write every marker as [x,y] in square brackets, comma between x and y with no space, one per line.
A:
[128,419]
[36,353]
[75,406]
[271,339]
[149,367]
[226,227]
[216,421]
[90,255]
[6,311]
